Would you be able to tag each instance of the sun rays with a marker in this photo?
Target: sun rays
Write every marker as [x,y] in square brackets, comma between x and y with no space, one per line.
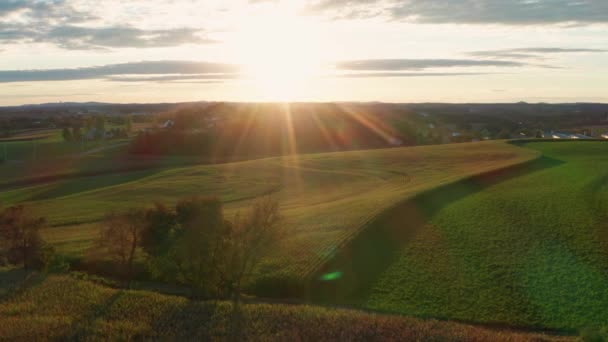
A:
[280,52]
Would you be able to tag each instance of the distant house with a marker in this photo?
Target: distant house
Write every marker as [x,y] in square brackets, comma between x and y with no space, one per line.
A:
[395,141]
[168,124]
[564,135]
[424,114]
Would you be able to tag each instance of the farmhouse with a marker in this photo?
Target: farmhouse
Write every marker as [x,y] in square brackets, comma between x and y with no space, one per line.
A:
[168,124]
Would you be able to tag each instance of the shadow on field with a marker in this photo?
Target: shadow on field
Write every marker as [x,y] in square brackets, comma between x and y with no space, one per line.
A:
[358,264]
[17,280]
[83,327]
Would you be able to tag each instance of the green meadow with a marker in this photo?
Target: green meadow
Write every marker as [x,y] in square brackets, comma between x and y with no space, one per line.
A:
[490,232]
[522,249]
[325,198]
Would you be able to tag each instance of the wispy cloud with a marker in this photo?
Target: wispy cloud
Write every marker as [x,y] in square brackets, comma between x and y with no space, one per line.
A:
[172,71]
[508,12]
[134,70]
[420,64]
[407,74]
[532,52]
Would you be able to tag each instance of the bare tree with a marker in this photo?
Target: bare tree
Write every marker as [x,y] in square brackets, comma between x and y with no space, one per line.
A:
[121,236]
[20,240]
[250,239]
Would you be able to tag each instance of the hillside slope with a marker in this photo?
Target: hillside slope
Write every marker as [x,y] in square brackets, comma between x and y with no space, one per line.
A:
[325,198]
[530,250]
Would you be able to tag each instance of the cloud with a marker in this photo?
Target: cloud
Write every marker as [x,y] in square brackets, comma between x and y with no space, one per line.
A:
[531,52]
[420,64]
[508,12]
[57,11]
[158,69]
[73,37]
[408,74]
[172,71]
[206,78]
[57,22]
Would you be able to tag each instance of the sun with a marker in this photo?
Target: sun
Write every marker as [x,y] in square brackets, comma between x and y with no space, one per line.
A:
[280,53]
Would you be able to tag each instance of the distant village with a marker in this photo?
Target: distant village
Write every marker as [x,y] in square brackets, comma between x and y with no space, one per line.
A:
[415,124]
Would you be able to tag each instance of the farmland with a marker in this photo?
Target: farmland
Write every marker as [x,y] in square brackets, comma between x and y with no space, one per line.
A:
[61,307]
[490,232]
[325,198]
[531,250]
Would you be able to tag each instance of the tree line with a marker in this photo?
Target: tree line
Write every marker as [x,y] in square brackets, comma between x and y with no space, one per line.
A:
[74,132]
[191,243]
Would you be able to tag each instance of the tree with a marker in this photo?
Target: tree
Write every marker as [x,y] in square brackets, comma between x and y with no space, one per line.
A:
[67,134]
[184,245]
[201,245]
[250,239]
[196,246]
[100,126]
[20,240]
[76,134]
[129,124]
[503,134]
[120,237]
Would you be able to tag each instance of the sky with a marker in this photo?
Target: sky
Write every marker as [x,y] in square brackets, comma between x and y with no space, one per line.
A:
[303,50]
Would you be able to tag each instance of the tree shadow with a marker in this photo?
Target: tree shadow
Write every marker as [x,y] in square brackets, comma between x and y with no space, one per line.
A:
[17,280]
[81,329]
[355,267]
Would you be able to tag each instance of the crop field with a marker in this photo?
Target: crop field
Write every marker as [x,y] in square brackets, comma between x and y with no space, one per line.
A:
[65,308]
[528,250]
[325,198]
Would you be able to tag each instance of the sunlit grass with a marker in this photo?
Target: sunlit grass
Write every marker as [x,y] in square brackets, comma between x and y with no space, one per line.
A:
[325,198]
[532,250]
[61,308]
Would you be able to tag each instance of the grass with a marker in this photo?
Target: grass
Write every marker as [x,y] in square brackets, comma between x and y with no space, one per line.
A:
[64,308]
[325,198]
[523,249]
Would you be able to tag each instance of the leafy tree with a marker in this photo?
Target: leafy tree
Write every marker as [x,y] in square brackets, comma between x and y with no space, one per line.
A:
[120,237]
[201,245]
[250,238]
[195,245]
[76,134]
[161,227]
[504,134]
[67,134]
[20,240]
[100,126]
[129,124]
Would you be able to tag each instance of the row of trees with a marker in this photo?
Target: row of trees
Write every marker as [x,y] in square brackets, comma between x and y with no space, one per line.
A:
[193,243]
[75,134]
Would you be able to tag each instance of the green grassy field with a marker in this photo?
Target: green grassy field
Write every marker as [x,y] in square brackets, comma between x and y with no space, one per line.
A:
[325,198]
[64,308]
[527,249]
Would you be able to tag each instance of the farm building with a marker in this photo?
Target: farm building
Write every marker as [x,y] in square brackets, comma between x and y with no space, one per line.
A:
[168,124]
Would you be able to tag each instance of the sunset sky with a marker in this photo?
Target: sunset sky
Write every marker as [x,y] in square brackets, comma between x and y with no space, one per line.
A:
[326,50]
